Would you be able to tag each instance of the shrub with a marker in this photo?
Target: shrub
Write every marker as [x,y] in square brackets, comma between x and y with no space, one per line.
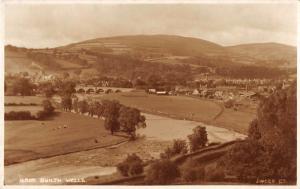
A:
[48,108]
[229,103]
[179,147]
[123,168]
[192,171]
[46,112]
[41,115]
[162,172]
[132,165]
[136,168]
[167,154]
[21,115]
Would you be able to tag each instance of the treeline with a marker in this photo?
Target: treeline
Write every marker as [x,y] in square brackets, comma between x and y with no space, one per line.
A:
[19,86]
[117,116]
[48,110]
[252,72]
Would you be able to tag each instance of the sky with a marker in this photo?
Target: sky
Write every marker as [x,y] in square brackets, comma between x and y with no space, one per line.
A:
[52,25]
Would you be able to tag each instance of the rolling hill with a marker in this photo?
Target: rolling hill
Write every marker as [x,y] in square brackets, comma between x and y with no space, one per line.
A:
[165,49]
[273,54]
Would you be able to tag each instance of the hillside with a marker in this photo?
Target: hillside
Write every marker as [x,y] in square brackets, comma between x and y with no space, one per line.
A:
[155,44]
[120,55]
[268,54]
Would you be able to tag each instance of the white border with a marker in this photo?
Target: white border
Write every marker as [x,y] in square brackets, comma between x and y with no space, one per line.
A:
[2,30]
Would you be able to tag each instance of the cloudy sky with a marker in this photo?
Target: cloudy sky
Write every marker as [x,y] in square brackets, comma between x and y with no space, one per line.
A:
[50,25]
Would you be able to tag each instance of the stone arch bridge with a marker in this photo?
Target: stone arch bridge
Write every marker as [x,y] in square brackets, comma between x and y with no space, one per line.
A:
[99,90]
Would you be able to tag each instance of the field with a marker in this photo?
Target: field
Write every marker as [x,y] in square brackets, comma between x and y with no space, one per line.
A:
[173,106]
[33,109]
[24,99]
[235,120]
[77,146]
[183,107]
[67,132]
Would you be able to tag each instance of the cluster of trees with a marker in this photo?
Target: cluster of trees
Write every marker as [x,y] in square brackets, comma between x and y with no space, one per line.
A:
[117,116]
[164,171]
[47,111]
[140,71]
[250,71]
[131,166]
[21,86]
[270,149]
[179,147]
[225,67]
[197,140]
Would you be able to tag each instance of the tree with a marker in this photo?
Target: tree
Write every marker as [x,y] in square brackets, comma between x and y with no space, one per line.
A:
[198,139]
[253,131]
[83,106]
[111,114]
[270,150]
[130,119]
[132,165]
[66,103]
[162,172]
[153,81]
[99,110]
[192,171]
[93,106]
[75,105]
[48,89]
[48,108]
[22,86]
[66,88]
[179,147]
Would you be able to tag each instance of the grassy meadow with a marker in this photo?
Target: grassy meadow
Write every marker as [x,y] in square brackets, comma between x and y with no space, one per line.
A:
[65,133]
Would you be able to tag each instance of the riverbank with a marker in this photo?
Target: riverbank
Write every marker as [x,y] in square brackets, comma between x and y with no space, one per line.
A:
[186,108]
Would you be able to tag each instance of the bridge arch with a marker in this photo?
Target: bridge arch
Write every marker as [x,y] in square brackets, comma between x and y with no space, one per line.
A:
[80,90]
[109,91]
[100,91]
[90,90]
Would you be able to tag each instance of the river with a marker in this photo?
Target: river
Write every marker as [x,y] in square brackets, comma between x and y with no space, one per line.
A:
[158,134]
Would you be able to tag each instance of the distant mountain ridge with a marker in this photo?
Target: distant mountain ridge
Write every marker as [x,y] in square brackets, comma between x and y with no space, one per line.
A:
[167,49]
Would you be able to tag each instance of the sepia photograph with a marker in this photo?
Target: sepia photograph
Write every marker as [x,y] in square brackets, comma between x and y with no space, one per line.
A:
[150,93]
